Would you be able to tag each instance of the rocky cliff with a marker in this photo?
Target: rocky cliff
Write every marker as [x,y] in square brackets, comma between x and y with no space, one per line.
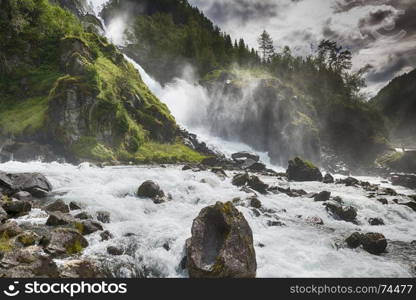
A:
[67,92]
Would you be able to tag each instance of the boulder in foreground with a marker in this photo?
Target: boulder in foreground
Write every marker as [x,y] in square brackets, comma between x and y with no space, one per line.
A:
[221,245]
[302,170]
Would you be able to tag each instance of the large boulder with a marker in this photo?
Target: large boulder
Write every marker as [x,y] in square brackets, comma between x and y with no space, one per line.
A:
[374,243]
[251,181]
[152,190]
[65,242]
[346,213]
[302,170]
[58,205]
[221,245]
[16,208]
[34,183]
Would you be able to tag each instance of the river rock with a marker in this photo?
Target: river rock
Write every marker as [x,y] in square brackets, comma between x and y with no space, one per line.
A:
[103,216]
[254,202]
[16,208]
[89,226]
[315,221]
[83,216]
[58,218]
[58,205]
[34,183]
[256,184]
[116,251]
[3,215]
[10,229]
[349,181]
[346,213]
[29,262]
[354,240]
[374,243]
[106,235]
[74,206]
[65,241]
[80,268]
[221,245]
[322,196]
[152,190]
[300,170]
[242,156]
[328,179]
[376,222]
[240,179]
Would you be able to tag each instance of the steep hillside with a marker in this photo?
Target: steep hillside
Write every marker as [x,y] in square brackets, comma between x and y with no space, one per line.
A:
[66,91]
[397,101]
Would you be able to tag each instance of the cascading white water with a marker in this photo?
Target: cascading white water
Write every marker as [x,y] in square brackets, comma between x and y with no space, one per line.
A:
[298,249]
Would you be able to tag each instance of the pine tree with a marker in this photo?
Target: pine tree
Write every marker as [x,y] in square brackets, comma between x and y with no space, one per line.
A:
[266,46]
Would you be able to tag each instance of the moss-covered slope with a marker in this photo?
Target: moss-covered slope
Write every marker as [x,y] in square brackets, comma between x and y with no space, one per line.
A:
[72,90]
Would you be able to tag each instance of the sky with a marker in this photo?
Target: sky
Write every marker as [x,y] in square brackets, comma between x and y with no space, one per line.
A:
[381,33]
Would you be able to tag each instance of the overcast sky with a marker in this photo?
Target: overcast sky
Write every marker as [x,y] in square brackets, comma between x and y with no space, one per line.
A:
[379,32]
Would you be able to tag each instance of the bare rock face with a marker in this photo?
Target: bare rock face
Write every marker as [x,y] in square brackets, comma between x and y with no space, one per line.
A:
[221,245]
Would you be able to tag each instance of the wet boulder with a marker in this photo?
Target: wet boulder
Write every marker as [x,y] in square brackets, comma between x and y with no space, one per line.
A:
[3,215]
[254,202]
[115,251]
[302,170]
[29,262]
[87,227]
[354,240]
[349,181]
[376,222]
[374,243]
[152,190]
[79,268]
[103,216]
[34,183]
[106,235]
[221,245]
[10,229]
[328,178]
[242,156]
[240,179]
[16,208]
[65,242]
[58,205]
[315,221]
[83,216]
[58,219]
[74,206]
[346,213]
[322,196]
[256,184]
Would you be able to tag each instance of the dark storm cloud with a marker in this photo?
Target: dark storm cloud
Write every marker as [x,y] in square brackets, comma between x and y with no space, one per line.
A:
[378,32]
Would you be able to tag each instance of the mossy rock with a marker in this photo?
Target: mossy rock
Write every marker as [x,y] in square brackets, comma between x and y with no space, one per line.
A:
[303,170]
[221,245]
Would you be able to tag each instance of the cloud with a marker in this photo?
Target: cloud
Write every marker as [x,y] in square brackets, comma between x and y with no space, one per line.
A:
[378,32]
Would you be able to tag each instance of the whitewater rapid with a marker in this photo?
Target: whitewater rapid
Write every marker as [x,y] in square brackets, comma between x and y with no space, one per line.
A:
[298,249]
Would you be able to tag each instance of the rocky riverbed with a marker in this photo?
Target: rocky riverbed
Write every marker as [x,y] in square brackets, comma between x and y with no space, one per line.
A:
[201,220]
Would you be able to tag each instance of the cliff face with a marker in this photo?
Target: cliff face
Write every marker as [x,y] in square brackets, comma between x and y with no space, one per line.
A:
[66,91]
[397,102]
